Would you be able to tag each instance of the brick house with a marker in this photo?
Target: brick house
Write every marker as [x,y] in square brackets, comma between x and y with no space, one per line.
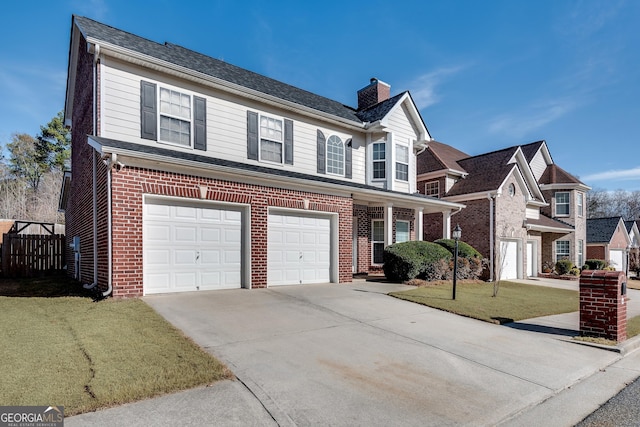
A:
[189,173]
[634,247]
[608,239]
[522,210]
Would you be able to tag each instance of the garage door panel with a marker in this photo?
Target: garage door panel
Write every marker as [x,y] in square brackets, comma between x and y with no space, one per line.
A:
[298,249]
[187,213]
[509,260]
[191,247]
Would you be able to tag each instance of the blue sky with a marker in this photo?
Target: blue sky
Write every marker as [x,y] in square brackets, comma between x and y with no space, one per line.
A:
[485,74]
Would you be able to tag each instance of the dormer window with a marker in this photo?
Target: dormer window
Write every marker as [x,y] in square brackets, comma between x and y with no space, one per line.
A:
[335,155]
[432,188]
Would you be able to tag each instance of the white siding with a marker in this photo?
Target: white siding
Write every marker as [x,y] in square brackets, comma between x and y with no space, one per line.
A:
[533,213]
[405,134]
[226,120]
[538,165]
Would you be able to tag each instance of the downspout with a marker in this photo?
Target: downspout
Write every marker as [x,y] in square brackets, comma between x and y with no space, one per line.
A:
[96,56]
[113,161]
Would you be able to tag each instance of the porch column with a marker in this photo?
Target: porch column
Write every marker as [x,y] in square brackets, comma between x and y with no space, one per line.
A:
[446,225]
[388,227]
[419,227]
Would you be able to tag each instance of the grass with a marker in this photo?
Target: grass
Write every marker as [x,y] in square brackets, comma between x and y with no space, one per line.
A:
[88,355]
[633,327]
[514,302]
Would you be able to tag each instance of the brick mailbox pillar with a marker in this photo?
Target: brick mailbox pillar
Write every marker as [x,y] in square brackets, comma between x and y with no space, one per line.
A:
[603,309]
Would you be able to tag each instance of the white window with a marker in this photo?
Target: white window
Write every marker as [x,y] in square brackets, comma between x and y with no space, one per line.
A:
[562,250]
[175,117]
[562,204]
[580,204]
[432,188]
[271,139]
[377,241]
[580,253]
[335,155]
[402,163]
[402,231]
[379,160]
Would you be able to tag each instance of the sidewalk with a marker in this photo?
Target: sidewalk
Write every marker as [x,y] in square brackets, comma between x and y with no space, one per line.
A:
[350,355]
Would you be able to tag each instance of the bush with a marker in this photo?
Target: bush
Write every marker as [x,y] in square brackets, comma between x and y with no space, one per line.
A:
[468,268]
[596,264]
[575,271]
[465,250]
[564,266]
[415,259]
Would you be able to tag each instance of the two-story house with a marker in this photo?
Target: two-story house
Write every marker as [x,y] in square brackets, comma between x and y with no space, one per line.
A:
[189,173]
[507,215]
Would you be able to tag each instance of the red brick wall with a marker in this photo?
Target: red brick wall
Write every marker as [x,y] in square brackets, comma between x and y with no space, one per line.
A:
[129,185]
[79,212]
[603,312]
[595,252]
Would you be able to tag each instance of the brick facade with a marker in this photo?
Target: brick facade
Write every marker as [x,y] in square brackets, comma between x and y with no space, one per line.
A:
[603,311]
[130,184]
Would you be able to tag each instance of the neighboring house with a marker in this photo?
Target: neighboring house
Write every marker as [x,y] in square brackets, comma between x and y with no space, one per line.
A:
[634,247]
[521,208]
[608,239]
[189,173]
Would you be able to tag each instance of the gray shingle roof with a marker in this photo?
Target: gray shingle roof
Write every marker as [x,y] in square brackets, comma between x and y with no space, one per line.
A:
[600,230]
[378,111]
[174,154]
[222,70]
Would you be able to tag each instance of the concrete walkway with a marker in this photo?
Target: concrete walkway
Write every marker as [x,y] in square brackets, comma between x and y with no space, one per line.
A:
[350,355]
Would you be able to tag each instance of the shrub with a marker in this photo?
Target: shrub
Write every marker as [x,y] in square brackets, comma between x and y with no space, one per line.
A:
[547,267]
[437,270]
[596,264]
[575,271]
[465,250]
[415,259]
[564,266]
[468,268]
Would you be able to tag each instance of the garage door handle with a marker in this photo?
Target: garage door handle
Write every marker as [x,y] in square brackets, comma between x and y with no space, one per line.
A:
[197,256]
[300,255]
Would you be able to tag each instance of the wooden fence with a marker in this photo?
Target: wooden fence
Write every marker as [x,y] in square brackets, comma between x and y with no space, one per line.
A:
[27,255]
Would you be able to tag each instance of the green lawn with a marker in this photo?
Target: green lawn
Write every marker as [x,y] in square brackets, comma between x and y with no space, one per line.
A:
[514,302]
[87,355]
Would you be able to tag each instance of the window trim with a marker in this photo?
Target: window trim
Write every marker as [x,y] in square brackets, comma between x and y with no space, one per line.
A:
[568,203]
[426,191]
[261,138]
[374,160]
[343,153]
[580,204]
[406,147]
[567,255]
[408,223]
[376,242]
[580,253]
[171,116]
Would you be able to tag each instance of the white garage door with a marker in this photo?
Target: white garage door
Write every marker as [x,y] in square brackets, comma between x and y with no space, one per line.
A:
[616,257]
[508,260]
[532,257]
[189,247]
[298,249]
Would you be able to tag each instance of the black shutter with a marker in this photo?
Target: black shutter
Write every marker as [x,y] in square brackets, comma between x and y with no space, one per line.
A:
[347,159]
[148,111]
[322,152]
[252,135]
[288,141]
[199,123]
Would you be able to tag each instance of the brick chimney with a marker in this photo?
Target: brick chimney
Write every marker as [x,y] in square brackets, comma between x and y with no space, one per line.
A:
[374,92]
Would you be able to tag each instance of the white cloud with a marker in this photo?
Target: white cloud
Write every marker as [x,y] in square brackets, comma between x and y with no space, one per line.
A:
[614,175]
[521,123]
[423,88]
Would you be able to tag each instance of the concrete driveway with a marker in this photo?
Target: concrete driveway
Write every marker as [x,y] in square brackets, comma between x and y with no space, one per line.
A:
[351,355]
